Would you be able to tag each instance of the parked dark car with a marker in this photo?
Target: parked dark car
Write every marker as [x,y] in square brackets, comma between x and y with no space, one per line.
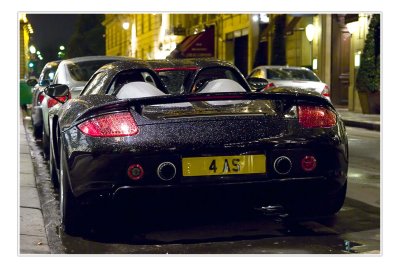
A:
[124,139]
[45,79]
[192,75]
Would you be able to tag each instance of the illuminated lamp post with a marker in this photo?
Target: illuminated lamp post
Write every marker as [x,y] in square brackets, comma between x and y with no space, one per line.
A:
[61,53]
[32,49]
[310,33]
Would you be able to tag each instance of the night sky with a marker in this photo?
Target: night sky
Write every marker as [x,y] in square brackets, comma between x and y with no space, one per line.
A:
[51,31]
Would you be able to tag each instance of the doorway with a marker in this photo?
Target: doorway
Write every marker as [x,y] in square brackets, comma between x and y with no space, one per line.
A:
[340,64]
[241,53]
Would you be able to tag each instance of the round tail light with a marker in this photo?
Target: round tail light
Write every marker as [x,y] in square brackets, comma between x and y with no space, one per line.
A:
[308,163]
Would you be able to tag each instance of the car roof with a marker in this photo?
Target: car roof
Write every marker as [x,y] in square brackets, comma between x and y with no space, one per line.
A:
[282,67]
[93,58]
[122,65]
[53,63]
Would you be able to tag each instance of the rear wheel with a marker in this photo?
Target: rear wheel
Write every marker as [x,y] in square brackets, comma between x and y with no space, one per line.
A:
[53,167]
[70,209]
[45,144]
[37,130]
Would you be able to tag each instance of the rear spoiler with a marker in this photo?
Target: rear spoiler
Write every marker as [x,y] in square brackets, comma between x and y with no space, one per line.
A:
[138,103]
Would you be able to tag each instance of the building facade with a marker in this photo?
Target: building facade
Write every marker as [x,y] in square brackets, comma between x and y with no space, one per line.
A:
[332,49]
[25,29]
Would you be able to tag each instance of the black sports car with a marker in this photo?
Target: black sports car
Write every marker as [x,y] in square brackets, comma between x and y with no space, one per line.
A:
[124,139]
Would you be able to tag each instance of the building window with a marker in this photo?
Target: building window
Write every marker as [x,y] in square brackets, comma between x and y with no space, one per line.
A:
[142,19]
[149,16]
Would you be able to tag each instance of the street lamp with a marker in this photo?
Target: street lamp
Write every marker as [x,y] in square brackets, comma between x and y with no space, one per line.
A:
[32,49]
[255,18]
[125,25]
[310,32]
[352,27]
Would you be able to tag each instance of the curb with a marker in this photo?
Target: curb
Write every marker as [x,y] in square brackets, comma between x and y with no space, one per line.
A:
[359,124]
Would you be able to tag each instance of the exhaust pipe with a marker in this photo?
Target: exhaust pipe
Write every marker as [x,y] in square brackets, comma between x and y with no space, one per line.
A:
[166,171]
[272,210]
[282,165]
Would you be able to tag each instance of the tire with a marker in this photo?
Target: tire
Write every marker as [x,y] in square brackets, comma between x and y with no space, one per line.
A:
[45,144]
[37,132]
[53,168]
[70,210]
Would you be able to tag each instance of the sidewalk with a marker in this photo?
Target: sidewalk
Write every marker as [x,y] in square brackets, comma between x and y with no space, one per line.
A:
[352,119]
[32,234]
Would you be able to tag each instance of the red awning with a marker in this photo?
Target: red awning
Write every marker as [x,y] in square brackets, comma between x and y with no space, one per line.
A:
[199,45]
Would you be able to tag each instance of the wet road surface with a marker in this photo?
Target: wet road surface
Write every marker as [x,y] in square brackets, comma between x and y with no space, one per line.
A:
[355,229]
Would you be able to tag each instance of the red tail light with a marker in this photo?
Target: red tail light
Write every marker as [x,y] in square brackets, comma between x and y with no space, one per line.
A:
[40,98]
[51,102]
[269,86]
[135,172]
[110,125]
[326,91]
[308,163]
[316,116]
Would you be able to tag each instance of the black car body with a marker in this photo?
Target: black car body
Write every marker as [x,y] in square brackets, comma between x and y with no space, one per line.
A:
[45,79]
[282,147]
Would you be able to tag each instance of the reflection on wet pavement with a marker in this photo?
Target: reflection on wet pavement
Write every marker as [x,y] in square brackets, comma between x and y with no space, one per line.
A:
[223,233]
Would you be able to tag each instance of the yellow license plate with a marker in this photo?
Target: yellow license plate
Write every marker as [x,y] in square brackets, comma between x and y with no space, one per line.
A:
[223,165]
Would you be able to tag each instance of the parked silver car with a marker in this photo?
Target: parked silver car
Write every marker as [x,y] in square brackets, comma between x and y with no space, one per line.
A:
[45,79]
[74,73]
[288,76]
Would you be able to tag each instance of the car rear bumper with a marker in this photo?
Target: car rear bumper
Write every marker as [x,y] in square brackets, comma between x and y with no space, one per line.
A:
[104,178]
[250,194]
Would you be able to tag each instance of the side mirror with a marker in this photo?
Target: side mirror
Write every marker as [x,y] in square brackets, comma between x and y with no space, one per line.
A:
[257,84]
[57,91]
[31,82]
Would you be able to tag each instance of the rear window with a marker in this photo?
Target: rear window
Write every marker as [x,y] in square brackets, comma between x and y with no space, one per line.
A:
[213,73]
[82,71]
[174,80]
[48,74]
[291,74]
